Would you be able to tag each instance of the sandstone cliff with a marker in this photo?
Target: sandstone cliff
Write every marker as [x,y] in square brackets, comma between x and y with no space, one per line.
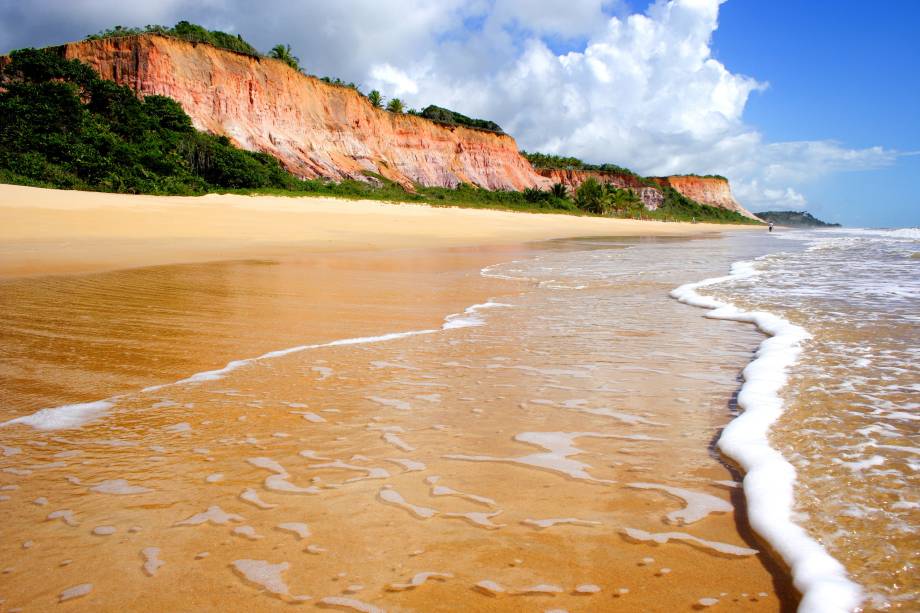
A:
[315,129]
[714,191]
[651,198]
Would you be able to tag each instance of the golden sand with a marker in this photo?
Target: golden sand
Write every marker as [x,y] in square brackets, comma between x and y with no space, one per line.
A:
[46,231]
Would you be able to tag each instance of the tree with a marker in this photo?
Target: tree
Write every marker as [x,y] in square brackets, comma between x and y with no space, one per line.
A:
[591,197]
[560,190]
[395,105]
[284,53]
[375,98]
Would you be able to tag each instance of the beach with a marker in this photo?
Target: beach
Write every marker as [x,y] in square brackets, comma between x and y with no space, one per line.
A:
[45,231]
[230,402]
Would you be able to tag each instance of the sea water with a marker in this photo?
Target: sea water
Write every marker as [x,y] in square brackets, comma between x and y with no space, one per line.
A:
[849,422]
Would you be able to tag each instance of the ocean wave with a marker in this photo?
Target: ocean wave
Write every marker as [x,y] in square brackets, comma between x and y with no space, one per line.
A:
[75,415]
[769,482]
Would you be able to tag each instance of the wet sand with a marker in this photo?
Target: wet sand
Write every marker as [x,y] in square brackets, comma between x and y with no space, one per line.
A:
[346,472]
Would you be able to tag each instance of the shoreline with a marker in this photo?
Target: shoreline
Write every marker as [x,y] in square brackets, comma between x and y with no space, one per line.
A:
[47,231]
[769,479]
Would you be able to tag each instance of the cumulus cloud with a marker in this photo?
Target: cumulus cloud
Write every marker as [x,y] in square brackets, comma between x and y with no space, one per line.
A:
[641,90]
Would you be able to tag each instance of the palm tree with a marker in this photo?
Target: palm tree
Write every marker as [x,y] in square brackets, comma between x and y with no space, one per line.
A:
[375,98]
[592,197]
[284,53]
[395,105]
[560,190]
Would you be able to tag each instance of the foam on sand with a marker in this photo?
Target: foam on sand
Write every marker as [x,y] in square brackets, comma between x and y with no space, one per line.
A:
[542,524]
[65,416]
[417,580]
[350,604]
[268,576]
[76,415]
[559,448]
[699,505]
[769,482]
[392,497]
[119,487]
[214,515]
[76,591]
[663,537]
[152,562]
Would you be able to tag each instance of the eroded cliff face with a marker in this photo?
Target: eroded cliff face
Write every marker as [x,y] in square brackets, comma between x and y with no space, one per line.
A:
[713,191]
[313,128]
[320,130]
[651,198]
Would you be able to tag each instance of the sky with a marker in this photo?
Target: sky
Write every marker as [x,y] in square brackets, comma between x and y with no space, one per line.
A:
[802,105]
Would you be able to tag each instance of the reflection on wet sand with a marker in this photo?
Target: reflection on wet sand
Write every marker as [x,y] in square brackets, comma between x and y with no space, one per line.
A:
[542,455]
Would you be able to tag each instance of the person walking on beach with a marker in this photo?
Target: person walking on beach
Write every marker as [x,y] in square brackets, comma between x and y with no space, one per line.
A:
[771,227]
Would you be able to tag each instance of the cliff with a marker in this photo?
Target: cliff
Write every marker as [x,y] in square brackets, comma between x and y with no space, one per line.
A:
[572,178]
[313,128]
[714,191]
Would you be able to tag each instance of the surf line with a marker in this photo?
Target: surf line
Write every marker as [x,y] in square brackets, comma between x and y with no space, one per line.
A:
[75,415]
[769,481]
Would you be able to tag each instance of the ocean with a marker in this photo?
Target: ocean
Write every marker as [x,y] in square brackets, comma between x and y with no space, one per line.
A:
[584,424]
[848,423]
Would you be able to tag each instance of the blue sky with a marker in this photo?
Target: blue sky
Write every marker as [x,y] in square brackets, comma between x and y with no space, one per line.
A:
[840,70]
[803,104]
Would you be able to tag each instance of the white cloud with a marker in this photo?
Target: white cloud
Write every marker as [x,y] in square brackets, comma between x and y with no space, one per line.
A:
[640,90]
[392,80]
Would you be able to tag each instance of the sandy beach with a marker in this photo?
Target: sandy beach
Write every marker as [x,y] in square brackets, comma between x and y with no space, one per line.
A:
[365,406]
[46,231]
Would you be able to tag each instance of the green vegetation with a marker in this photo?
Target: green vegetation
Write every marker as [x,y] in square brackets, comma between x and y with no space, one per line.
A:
[701,176]
[63,126]
[452,118]
[186,31]
[375,99]
[339,83]
[546,160]
[800,219]
[284,53]
[395,105]
[605,199]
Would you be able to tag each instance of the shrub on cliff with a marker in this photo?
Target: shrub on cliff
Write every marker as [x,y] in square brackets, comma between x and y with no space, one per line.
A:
[284,53]
[375,99]
[395,105]
[546,160]
[63,126]
[447,116]
[186,31]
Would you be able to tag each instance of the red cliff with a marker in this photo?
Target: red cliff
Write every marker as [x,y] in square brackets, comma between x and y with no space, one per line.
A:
[651,198]
[714,191]
[313,128]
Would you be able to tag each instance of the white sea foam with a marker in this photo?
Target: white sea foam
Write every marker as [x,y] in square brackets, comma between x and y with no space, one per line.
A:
[663,537]
[699,505]
[417,580]
[76,591]
[300,529]
[152,561]
[769,481]
[63,417]
[351,604]
[75,415]
[392,497]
